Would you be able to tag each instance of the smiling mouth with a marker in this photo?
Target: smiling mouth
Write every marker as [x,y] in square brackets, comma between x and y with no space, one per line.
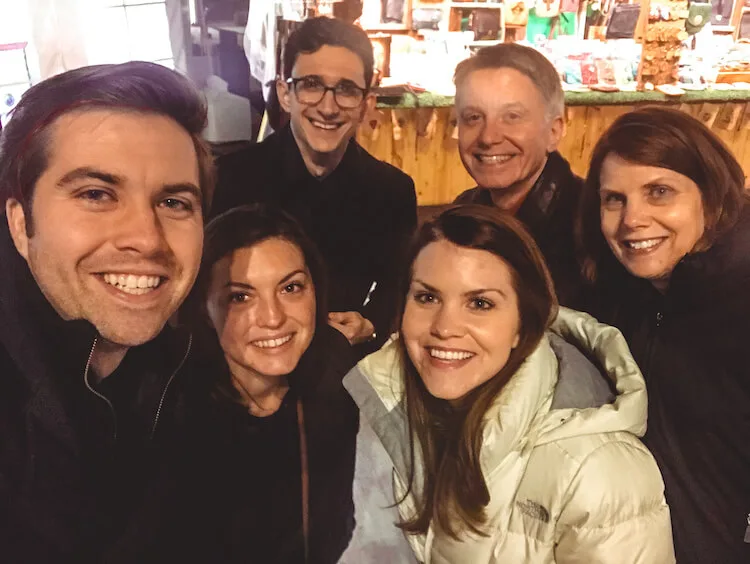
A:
[272,343]
[643,244]
[134,284]
[449,355]
[325,126]
[493,159]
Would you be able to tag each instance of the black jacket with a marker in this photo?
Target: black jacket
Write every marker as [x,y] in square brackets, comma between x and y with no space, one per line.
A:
[245,503]
[692,345]
[361,216]
[549,214]
[69,491]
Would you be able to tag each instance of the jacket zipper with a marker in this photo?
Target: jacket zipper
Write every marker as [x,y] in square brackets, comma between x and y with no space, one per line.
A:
[97,394]
[166,388]
[109,403]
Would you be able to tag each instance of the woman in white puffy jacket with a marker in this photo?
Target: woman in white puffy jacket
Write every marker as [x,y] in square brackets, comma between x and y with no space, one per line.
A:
[511,428]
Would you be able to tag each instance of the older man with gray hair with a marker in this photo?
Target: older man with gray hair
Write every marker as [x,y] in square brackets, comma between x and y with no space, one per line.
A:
[510,103]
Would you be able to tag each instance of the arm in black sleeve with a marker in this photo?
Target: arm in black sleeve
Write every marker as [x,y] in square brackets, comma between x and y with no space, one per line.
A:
[399,224]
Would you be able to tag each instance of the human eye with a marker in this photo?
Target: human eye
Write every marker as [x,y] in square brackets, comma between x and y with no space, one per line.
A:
[480,303]
[311,83]
[177,204]
[513,116]
[424,297]
[95,196]
[238,297]
[346,88]
[612,200]
[660,192]
[294,287]
[471,118]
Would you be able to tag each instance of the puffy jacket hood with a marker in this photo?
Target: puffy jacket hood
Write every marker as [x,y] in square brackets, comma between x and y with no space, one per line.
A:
[555,394]
[556,442]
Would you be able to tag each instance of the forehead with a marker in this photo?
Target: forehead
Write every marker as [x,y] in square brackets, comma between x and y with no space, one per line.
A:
[450,266]
[128,144]
[492,88]
[333,63]
[270,260]
[625,176]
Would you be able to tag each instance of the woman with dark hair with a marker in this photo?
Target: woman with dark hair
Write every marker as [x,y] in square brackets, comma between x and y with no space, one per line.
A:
[665,233]
[278,429]
[508,444]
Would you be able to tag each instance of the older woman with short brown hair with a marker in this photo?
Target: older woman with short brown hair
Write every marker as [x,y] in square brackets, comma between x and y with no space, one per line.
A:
[664,230]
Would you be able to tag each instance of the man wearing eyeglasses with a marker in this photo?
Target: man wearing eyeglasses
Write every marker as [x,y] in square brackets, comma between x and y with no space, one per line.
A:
[360,211]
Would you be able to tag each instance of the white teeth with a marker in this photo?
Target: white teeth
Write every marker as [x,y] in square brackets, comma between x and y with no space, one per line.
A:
[639,245]
[132,284]
[494,159]
[272,343]
[322,125]
[450,355]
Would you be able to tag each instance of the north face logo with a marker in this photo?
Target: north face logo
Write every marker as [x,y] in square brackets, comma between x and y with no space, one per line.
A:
[534,510]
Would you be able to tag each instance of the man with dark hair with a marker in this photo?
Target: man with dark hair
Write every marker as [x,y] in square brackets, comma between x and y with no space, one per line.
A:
[358,210]
[104,181]
[510,105]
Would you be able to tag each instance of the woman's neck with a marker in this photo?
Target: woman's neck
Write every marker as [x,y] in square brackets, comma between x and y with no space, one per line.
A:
[261,394]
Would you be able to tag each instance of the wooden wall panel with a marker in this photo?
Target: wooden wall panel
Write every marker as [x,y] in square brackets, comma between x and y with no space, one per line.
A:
[423,143]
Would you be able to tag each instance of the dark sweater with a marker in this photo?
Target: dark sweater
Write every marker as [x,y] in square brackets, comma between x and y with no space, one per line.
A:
[246,505]
[548,212]
[73,472]
[361,216]
[692,345]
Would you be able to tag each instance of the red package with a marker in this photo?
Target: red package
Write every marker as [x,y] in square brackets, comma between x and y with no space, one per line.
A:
[588,72]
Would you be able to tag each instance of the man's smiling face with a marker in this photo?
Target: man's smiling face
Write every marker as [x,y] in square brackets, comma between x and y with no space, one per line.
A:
[325,127]
[117,221]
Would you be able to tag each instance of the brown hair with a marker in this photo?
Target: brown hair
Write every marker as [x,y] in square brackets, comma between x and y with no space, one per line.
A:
[526,60]
[449,435]
[135,86]
[242,228]
[664,138]
[315,33]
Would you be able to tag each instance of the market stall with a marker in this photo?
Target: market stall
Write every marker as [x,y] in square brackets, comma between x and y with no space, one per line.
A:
[693,56]
[418,133]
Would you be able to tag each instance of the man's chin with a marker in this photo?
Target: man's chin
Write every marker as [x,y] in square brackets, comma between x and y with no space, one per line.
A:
[128,336]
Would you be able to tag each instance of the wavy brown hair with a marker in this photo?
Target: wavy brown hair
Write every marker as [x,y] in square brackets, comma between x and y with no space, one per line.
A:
[664,138]
[450,435]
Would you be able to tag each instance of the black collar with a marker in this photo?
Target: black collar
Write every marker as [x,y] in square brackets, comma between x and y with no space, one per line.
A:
[540,203]
[49,351]
[293,168]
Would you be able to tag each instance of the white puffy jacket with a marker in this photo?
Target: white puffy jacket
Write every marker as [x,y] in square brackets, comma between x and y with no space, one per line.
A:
[569,480]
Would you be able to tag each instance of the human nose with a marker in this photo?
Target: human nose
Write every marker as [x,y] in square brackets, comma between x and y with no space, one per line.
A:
[270,312]
[140,229]
[634,214]
[327,104]
[492,133]
[446,323]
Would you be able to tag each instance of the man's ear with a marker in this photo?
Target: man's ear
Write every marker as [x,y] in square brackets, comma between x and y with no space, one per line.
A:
[557,130]
[284,93]
[17,224]
[368,105]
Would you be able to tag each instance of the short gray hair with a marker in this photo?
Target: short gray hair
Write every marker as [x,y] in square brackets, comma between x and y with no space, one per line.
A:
[527,61]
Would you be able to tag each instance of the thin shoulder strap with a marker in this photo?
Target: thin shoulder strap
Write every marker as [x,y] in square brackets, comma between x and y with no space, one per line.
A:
[305,478]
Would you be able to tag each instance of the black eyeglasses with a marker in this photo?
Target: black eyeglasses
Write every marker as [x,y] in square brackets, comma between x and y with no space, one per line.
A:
[310,91]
